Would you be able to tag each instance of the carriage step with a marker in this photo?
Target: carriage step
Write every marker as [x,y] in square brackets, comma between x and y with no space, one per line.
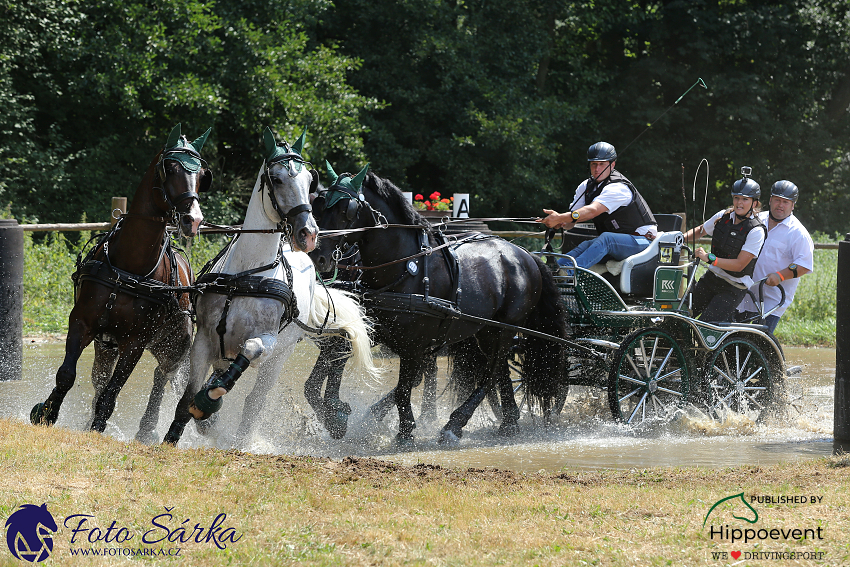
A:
[794,370]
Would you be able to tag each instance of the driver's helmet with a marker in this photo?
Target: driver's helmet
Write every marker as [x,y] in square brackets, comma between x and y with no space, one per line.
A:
[747,188]
[601,151]
[786,190]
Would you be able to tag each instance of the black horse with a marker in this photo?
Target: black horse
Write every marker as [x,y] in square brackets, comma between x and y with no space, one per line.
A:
[425,297]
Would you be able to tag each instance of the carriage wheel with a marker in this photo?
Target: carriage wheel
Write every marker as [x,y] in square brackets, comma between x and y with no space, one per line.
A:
[738,379]
[648,379]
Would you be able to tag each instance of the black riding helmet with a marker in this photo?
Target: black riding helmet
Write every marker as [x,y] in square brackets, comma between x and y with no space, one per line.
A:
[747,187]
[786,190]
[601,151]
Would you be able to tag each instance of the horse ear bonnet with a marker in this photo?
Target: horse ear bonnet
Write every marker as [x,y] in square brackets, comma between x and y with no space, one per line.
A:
[188,154]
[346,186]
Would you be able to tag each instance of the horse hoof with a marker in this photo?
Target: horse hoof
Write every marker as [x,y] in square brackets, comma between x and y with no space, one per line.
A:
[404,442]
[450,436]
[146,437]
[98,425]
[336,418]
[41,414]
[508,429]
[174,434]
[37,415]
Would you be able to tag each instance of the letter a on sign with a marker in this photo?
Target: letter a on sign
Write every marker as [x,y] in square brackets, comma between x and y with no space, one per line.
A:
[461,206]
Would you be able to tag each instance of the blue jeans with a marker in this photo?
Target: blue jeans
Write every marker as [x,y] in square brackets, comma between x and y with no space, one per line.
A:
[610,245]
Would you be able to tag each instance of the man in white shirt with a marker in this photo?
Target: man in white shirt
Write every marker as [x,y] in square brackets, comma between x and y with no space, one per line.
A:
[621,216]
[787,255]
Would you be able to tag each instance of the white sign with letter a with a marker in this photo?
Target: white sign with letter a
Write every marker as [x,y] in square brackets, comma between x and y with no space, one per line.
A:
[461,206]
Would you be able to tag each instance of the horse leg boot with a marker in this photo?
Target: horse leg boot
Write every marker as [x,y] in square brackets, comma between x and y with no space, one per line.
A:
[208,400]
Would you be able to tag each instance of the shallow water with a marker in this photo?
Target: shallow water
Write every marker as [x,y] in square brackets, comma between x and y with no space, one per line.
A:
[585,437]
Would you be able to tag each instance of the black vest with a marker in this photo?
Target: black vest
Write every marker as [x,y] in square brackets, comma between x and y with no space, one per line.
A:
[626,219]
[728,240]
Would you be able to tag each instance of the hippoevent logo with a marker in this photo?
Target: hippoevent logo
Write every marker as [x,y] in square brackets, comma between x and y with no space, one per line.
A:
[740,507]
[29,533]
[31,528]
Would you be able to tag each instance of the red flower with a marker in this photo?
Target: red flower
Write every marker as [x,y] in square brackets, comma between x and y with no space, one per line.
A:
[435,196]
[429,206]
[418,197]
[447,201]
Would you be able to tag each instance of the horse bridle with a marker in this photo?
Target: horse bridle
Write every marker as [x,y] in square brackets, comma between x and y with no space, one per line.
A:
[160,169]
[293,170]
[356,201]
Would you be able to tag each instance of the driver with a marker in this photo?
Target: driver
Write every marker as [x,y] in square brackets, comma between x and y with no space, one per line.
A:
[787,255]
[621,216]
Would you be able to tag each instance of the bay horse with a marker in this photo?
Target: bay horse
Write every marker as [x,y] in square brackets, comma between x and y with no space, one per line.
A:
[127,290]
[259,297]
[416,295]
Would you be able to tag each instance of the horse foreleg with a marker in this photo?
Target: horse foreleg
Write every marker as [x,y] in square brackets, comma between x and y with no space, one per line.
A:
[105,404]
[410,372]
[200,359]
[79,336]
[171,353]
[382,407]
[209,399]
[331,411]
[104,363]
[497,375]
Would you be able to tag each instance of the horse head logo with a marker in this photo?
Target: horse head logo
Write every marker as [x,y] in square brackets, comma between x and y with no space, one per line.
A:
[29,533]
[740,496]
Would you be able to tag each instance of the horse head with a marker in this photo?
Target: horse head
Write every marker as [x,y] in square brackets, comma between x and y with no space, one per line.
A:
[182,174]
[341,209]
[288,183]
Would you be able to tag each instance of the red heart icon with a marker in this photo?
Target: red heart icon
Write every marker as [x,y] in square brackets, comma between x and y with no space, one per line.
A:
[735,554]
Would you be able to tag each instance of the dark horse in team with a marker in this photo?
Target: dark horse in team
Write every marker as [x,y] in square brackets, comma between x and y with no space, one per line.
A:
[415,290]
[122,299]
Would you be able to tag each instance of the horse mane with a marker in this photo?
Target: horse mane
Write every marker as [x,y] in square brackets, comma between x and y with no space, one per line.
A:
[394,197]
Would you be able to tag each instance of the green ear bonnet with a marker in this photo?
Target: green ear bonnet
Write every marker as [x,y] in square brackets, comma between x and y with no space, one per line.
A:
[188,154]
[344,186]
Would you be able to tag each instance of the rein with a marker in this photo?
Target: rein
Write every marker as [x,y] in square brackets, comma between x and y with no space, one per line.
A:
[476,236]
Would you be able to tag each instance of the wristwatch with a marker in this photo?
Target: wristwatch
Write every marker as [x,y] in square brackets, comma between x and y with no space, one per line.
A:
[711,258]
[575,215]
[793,268]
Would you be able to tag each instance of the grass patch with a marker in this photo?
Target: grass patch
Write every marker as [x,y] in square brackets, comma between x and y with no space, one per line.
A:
[306,511]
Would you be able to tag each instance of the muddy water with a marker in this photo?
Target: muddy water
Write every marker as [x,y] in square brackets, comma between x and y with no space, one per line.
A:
[585,437]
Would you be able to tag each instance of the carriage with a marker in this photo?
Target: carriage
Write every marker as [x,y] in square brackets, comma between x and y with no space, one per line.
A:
[633,336]
[630,334]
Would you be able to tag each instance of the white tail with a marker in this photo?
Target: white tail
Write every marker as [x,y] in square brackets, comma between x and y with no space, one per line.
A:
[347,314]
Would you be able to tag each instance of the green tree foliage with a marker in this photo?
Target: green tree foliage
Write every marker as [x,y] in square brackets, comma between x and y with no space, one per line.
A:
[93,87]
[496,98]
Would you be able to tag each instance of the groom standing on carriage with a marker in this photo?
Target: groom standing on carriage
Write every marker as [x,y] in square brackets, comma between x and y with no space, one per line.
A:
[621,216]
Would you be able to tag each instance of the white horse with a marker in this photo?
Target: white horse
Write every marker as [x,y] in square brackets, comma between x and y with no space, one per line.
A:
[247,314]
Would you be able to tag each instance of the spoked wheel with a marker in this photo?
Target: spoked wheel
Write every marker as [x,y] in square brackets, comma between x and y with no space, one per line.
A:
[738,379]
[648,378]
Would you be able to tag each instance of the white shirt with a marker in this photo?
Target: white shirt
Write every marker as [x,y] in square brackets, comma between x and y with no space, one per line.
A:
[613,196]
[753,244]
[787,243]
